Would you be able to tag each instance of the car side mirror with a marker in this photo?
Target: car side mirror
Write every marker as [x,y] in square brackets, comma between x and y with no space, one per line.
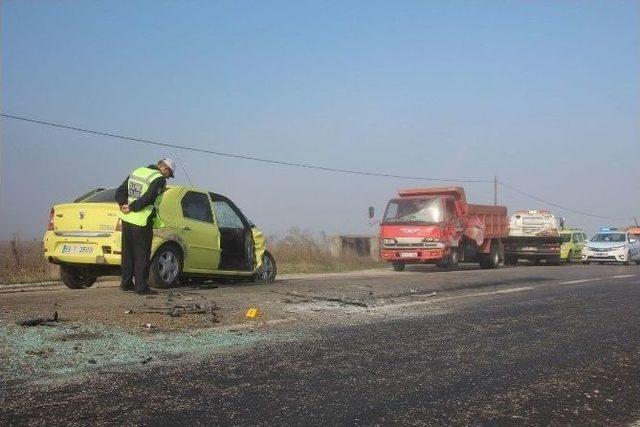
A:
[633,240]
[372,212]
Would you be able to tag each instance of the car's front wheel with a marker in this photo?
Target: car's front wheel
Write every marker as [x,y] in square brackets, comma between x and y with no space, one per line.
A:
[166,267]
[267,271]
[76,277]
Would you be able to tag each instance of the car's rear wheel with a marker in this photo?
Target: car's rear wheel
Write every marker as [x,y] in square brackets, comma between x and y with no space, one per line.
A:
[166,267]
[268,270]
[76,277]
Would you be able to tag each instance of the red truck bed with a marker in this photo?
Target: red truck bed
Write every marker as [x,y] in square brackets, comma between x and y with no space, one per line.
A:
[494,219]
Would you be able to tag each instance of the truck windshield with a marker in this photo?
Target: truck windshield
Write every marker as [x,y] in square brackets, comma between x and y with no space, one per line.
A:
[423,210]
[609,237]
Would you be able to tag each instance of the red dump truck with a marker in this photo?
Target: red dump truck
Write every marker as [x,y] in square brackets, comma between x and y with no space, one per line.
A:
[438,226]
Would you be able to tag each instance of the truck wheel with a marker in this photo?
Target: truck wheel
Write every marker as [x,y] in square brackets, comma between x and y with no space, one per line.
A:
[76,277]
[454,258]
[166,267]
[490,260]
[569,257]
[267,272]
[398,266]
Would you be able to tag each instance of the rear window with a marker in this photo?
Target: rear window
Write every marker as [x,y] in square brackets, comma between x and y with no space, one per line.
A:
[104,196]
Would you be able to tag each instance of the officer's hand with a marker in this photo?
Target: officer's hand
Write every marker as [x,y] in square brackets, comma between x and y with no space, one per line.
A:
[125,209]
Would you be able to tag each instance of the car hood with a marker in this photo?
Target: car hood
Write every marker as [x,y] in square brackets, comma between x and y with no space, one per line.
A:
[605,245]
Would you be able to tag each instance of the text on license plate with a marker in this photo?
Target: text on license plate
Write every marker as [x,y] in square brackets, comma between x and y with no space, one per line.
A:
[408,255]
[530,249]
[77,249]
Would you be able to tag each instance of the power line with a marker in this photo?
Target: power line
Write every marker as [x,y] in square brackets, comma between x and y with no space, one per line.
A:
[539,199]
[301,165]
[237,156]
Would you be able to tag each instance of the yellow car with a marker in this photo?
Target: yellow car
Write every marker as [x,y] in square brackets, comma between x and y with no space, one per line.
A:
[573,242]
[205,236]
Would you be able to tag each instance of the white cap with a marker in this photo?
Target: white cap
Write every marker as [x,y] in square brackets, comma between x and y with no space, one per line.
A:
[170,163]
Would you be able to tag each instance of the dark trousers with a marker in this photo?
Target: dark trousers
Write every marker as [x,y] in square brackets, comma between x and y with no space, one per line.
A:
[136,250]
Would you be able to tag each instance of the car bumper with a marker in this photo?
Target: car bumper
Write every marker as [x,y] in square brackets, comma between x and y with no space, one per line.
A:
[69,249]
[612,256]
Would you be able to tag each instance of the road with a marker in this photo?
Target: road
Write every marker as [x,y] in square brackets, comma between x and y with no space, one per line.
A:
[514,346]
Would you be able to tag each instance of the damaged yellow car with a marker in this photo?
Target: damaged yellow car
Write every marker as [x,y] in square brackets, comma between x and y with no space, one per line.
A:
[205,237]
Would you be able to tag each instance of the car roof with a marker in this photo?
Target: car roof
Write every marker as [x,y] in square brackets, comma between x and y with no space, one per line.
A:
[612,232]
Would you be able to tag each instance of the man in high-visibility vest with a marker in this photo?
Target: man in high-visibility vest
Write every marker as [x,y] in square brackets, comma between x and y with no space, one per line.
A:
[139,197]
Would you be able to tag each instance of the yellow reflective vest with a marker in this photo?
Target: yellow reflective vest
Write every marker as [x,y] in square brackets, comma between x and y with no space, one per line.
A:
[139,182]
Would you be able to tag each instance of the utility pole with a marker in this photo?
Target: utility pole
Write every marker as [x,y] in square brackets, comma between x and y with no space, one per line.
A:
[495,190]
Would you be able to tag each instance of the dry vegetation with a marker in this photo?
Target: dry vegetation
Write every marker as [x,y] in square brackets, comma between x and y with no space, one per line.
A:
[21,261]
[301,252]
[296,252]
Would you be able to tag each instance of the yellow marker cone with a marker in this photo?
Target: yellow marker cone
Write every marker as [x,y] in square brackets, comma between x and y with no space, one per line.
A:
[252,313]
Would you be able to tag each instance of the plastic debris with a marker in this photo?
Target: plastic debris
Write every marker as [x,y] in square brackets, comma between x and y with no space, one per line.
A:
[252,313]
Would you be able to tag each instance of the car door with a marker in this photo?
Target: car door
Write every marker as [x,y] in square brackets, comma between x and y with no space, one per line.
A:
[238,253]
[634,247]
[199,233]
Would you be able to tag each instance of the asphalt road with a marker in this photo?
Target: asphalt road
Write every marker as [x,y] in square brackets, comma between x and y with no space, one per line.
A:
[522,346]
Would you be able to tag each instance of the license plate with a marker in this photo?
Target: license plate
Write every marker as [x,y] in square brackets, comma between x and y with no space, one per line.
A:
[600,254]
[530,249]
[77,249]
[408,255]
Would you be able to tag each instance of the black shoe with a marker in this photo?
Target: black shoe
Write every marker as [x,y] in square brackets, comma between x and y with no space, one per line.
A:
[126,288]
[147,292]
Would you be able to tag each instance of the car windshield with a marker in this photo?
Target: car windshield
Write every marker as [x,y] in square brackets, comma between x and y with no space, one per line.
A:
[104,196]
[609,237]
[566,238]
[421,210]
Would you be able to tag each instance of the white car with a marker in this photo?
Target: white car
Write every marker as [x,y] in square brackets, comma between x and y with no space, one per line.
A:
[612,246]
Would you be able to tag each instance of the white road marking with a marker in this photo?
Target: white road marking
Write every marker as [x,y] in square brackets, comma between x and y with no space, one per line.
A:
[435,300]
[573,282]
[508,291]
[624,276]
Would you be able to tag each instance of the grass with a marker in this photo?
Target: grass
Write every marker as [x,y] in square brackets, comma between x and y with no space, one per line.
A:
[301,252]
[22,261]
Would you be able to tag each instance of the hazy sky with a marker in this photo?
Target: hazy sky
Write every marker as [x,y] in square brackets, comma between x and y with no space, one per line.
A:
[545,95]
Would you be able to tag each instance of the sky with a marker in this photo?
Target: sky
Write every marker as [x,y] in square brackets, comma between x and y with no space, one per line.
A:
[543,95]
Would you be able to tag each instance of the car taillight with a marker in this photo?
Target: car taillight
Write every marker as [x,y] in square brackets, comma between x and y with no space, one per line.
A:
[51,216]
[119,225]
